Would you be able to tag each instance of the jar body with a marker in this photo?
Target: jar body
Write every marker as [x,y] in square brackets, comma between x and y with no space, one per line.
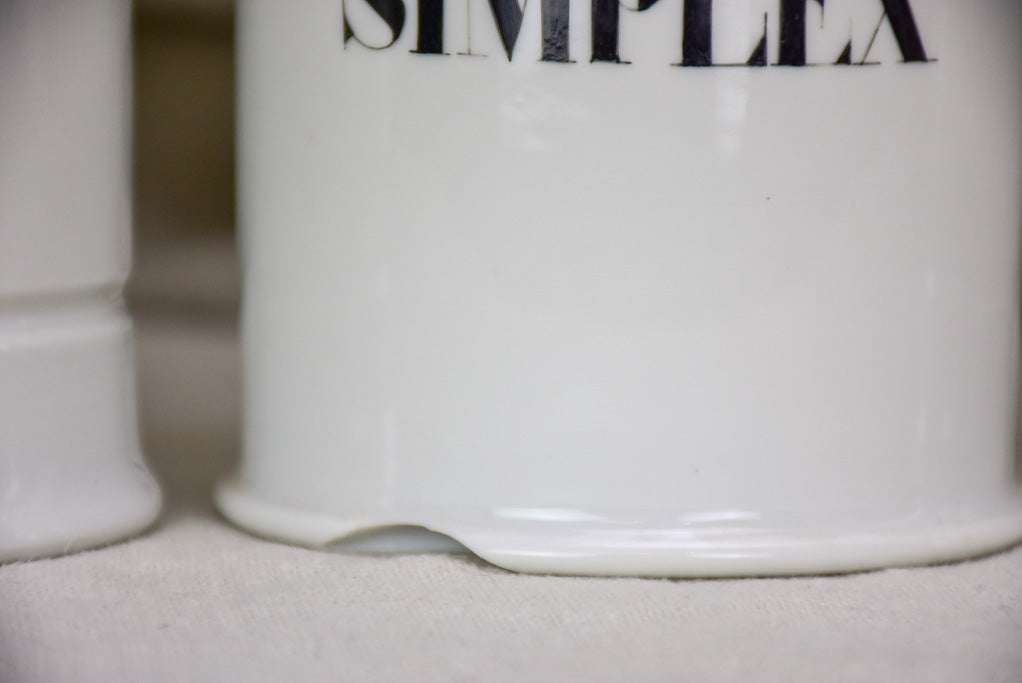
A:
[691,297]
[73,474]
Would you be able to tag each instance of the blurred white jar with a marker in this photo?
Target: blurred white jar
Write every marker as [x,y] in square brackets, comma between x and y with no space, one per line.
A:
[71,470]
[689,288]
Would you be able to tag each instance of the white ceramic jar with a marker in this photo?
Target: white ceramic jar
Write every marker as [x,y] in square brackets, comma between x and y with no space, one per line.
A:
[71,470]
[686,288]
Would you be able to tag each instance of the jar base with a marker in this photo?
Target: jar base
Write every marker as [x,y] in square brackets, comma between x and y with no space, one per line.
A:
[600,545]
[73,475]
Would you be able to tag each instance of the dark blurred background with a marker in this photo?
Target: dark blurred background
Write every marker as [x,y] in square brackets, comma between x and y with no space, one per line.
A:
[184,157]
[183,292]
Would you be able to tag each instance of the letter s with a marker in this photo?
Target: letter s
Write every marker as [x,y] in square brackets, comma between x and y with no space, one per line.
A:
[391,11]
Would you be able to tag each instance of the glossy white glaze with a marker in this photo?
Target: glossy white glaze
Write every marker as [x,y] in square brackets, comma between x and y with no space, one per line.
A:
[71,471]
[764,315]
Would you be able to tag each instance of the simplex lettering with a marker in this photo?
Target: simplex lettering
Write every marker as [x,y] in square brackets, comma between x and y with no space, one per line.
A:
[695,35]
